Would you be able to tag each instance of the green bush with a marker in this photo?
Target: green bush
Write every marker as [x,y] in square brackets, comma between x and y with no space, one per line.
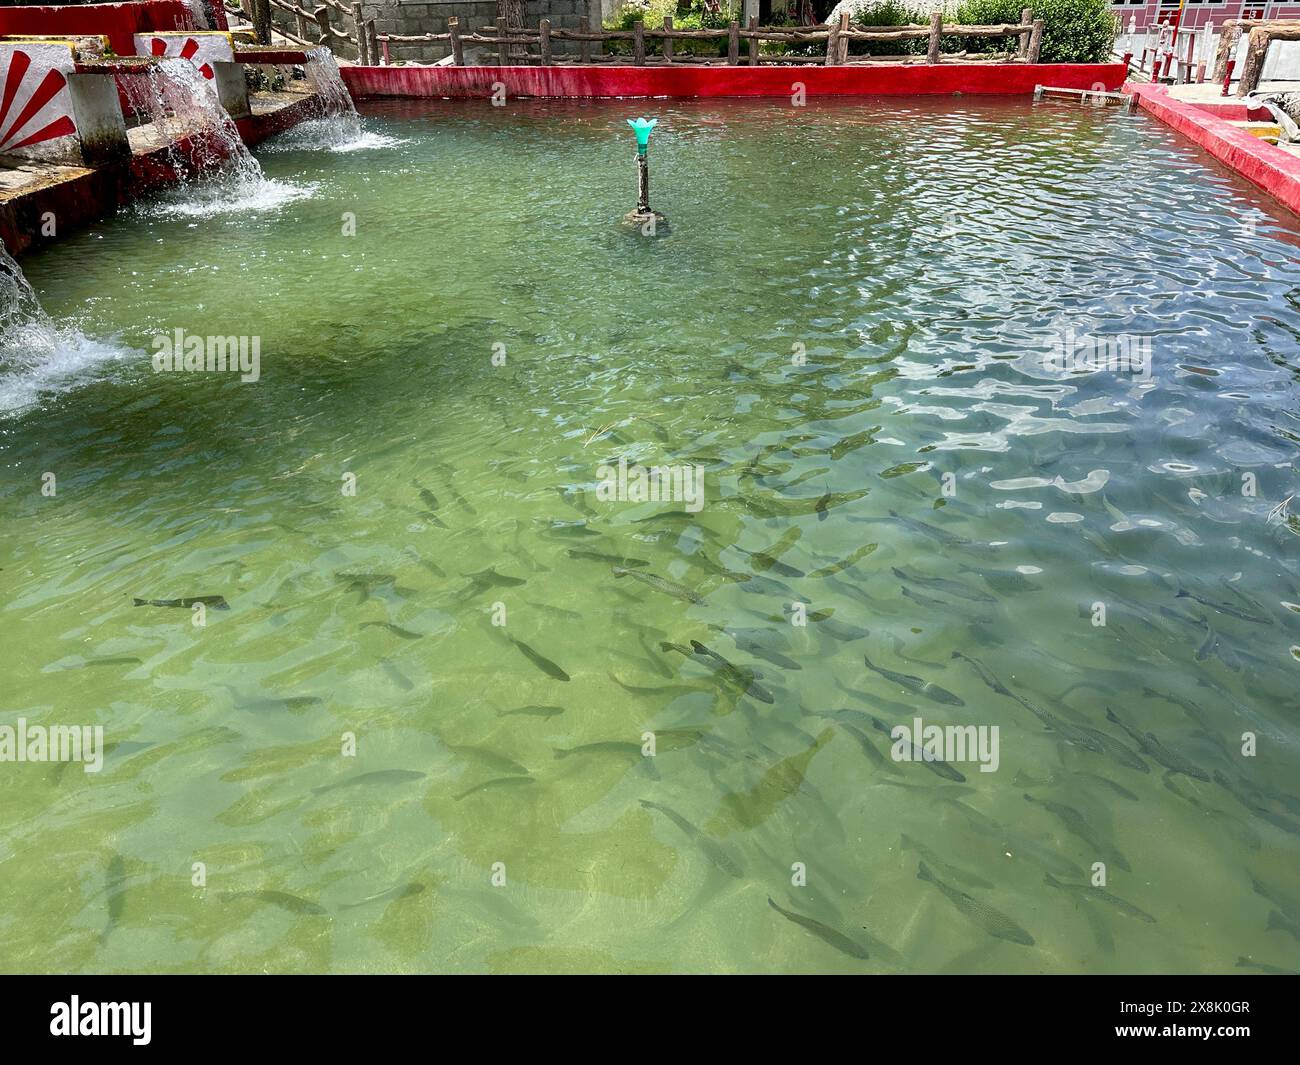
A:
[891,13]
[1074,31]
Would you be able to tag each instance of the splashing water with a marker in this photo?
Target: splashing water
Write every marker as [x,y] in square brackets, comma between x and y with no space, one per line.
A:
[36,354]
[203,145]
[339,127]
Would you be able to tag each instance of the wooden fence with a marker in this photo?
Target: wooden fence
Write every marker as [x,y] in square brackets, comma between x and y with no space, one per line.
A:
[1262,33]
[517,46]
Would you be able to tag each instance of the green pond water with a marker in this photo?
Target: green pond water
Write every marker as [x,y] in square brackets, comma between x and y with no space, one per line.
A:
[943,503]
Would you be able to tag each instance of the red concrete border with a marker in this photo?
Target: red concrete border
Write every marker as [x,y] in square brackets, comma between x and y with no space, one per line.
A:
[118,22]
[878,79]
[1273,170]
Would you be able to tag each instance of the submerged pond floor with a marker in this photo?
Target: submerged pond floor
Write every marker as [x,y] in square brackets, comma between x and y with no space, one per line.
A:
[849,325]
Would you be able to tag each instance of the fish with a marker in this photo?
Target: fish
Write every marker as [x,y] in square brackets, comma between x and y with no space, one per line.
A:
[1077,825]
[396,675]
[919,754]
[377,776]
[842,631]
[844,563]
[613,560]
[992,921]
[1158,752]
[498,762]
[917,686]
[825,933]
[748,809]
[822,507]
[396,630]
[954,588]
[887,765]
[747,643]
[1272,970]
[1090,893]
[621,747]
[428,564]
[1087,738]
[662,689]
[115,886]
[1279,923]
[292,903]
[766,561]
[490,578]
[1254,806]
[660,584]
[402,891]
[431,501]
[217,602]
[718,854]
[540,661]
[950,871]
[532,711]
[941,536]
[120,660]
[1222,608]
[576,498]
[740,677]
[1289,906]
[496,782]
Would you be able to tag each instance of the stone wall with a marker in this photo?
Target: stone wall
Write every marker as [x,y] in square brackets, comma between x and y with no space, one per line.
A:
[413,18]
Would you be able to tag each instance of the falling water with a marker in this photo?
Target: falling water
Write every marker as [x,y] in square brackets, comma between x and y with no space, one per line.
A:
[202,143]
[339,127]
[37,354]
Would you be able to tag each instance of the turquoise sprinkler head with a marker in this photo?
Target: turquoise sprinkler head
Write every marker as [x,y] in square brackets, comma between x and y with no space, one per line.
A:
[642,127]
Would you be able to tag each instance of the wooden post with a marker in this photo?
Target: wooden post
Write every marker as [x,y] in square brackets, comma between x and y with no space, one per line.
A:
[842,56]
[1253,67]
[262,21]
[833,45]
[323,23]
[753,41]
[545,27]
[733,43]
[359,24]
[936,33]
[1227,48]
[503,49]
[668,41]
[1026,20]
[1036,40]
[457,49]
[638,43]
[372,43]
[584,47]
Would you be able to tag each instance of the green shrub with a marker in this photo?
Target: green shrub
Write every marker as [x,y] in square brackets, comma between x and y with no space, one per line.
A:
[891,13]
[1074,31]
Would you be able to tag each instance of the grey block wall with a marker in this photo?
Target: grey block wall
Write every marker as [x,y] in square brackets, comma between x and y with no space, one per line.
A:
[413,18]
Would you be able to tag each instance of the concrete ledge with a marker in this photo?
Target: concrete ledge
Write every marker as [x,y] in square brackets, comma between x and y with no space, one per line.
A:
[876,79]
[1271,169]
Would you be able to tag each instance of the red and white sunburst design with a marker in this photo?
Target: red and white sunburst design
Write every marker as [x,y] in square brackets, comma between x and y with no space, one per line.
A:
[35,105]
[202,49]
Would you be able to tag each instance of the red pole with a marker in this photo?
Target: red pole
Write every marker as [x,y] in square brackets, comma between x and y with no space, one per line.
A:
[1227,76]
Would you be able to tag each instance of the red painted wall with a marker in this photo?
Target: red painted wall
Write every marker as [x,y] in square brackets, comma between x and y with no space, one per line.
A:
[118,22]
[1273,170]
[610,81]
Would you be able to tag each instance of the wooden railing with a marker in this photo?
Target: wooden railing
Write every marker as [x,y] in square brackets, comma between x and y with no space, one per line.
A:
[1262,33]
[518,45]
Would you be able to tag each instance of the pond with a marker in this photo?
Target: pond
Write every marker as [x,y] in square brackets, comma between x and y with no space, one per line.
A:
[994,406]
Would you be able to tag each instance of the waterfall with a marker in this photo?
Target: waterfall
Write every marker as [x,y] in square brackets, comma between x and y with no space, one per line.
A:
[38,355]
[179,109]
[338,127]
